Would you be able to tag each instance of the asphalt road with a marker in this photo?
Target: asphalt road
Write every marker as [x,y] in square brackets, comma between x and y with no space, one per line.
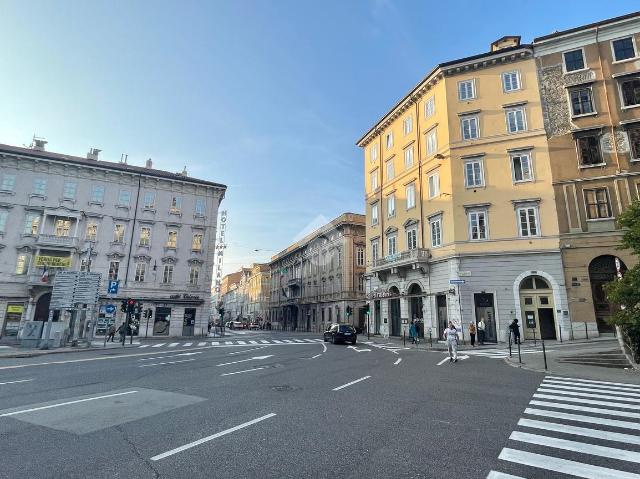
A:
[288,410]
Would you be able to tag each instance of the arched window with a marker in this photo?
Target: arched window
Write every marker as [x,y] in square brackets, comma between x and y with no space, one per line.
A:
[534,282]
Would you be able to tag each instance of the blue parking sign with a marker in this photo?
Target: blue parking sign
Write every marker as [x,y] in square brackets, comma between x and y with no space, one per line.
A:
[112,287]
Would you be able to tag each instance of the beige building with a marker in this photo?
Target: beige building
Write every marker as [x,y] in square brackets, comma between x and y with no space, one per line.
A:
[320,279]
[258,292]
[590,88]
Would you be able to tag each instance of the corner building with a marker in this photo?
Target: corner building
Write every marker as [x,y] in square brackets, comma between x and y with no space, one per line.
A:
[458,186]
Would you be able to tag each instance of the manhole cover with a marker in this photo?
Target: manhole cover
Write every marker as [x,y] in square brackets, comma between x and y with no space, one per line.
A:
[284,388]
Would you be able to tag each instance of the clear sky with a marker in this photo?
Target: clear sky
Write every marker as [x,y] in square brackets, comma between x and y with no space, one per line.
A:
[265,97]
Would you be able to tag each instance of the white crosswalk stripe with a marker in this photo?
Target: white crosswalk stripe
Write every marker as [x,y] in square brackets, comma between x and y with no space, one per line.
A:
[201,344]
[233,342]
[564,433]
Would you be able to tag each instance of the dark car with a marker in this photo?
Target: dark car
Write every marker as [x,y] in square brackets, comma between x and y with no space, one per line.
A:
[341,333]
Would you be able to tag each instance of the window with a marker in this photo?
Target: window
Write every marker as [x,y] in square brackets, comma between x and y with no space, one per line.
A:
[633,132]
[114,266]
[118,233]
[466,90]
[432,142]
[360,256]
[40,186]
[63,227]
[528,221]
[389,140]
[435,225]
[167,274]
[200,207]
[22,263]
[573,60]
[410,191]
[581,101]
[597,203]
[510,81]
[408,157]
[623,49]
[521,167]
[124,198]
[469,128]
[430,107]
[8,183]
[69,190]
[172,239]
[478,225]
[97,194]
[92,232]
[630,91]
[145,236]
[374,251]
[391,206]
[390,169]
[149,200]
[589,150]
[392,243]
[141,271]
[3,221]
[473,173]
[412,238]
[176,204]
[407,125]
[434,185]
[31,224]
[373,176]
[516,120]
[196,242]
[374,214]
[374,152]
[194,274]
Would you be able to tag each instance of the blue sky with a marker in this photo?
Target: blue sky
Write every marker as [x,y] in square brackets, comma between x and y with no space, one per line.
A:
[266,97]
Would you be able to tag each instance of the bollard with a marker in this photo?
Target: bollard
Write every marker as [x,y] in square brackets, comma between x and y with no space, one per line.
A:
[430,339]
[586,331]
[544,355]
[510,354]
[560,328]
[519,355]
[534,339]
[404,338]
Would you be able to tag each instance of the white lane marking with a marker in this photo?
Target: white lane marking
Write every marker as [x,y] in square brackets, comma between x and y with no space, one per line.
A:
[144,346]
[351,383]
[40,408]
[571,468]
[287,341]
[171,356]
[277,342]
[202,344]
[598,387]
[187,344]
[581,447]
[228,342]
[593,410]
[580,418]
[158,345]
[264,341]
[255,358]
[501,475]
[324,347]
[253,342]
[209,438]
[594,382]
[166,362]
[580,431]
[246,350]
[243,371]
[214,343]
[397,361]
[298,340]
[443,361]
[310,340]
[588,395]
[316,356]
[241,342]
[18,381]
[586,401]
[358,350]
[590,389]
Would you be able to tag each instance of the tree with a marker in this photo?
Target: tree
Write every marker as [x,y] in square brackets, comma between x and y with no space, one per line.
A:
[626,290]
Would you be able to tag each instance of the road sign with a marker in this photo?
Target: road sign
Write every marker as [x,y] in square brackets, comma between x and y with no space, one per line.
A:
[109,309]
[73,287]
[112,287]
[457,281]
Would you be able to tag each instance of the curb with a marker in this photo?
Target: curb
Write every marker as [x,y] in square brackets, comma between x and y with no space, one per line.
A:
[56,351]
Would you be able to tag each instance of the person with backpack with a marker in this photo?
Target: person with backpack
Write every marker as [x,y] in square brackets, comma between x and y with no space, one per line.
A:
[451,337]
[515,330]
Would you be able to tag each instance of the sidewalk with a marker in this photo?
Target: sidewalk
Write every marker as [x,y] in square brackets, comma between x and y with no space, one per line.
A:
[98,345]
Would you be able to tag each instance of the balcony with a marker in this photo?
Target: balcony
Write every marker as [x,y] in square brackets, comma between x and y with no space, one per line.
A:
[397,263]
[57,241]
[35,279]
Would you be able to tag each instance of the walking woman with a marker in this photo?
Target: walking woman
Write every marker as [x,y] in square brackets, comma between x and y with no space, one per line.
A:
[472,333]
[413,333]
[451,336]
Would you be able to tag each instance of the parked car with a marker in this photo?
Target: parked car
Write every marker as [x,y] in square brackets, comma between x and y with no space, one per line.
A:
[344,333]
[236,325]
[254,326]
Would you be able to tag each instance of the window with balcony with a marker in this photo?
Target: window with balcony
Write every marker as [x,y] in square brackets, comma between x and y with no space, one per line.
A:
[410,193]
[149,201]
[633,133]
[430,107]
[466,90]
[97,194]
[176,205]
[408,157]
[473,174]
[373,177]
[435,225]
[574,60]
[4,215]
[630,91]
[69,190]
[92,232]
[118,233]
[145,236]
[375,250]
[22,263]
[196,242]
[510,81]
[8,183]
[194,274]
[528,221]
[623,49]
[597,203]
[581,101]
[407,125]
[31,224]
[40,186]
[391,172]
[167,274]
[200,207]
[374,152]
[469,126]
[516,120]
[388,140]
[63,227]
[432,142]
[172,239]
[374,214]
[521,167]
[360,256]
[114,267]
[478,225]
[141,271]
[434,185]
[412,238]
[124,198]
[391,206]
[392,244]
[588,146]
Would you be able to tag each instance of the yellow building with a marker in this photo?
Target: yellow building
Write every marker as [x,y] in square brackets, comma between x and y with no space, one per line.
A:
[460,208]
[258,292]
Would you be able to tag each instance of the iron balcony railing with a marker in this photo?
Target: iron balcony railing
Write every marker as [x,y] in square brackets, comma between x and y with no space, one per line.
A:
[417,255]
[54,240]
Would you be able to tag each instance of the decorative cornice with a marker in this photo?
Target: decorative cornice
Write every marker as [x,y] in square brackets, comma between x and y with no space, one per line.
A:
[169,260]
[115,255]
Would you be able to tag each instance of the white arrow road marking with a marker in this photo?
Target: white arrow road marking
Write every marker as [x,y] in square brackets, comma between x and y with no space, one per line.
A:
[356,349]
[245,360]
[447,359]
[243,371]
[397,361]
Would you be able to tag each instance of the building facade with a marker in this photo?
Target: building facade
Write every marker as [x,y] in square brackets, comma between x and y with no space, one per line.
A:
[151,230]
[258,292]
[320,279]
[590,90]
[461,221]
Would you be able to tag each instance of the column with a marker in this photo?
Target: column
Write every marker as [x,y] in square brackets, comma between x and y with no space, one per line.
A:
[385,320]
[429,317]
[404,315]
[26,316]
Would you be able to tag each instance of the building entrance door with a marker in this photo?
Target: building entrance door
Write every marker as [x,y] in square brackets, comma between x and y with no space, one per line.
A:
[189,322]
[443,321]
[415,308]
[547,324]
[485,310]
[602,270]
[394,312]
[536,301]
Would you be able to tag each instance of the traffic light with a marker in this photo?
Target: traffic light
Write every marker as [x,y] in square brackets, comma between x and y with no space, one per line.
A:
[131,303]
[349,311]
[123,306]
[137,311]
[149,313]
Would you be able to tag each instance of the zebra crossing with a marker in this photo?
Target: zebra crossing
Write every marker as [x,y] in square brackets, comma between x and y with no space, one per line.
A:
[497,353]
[576,428]
[222,342]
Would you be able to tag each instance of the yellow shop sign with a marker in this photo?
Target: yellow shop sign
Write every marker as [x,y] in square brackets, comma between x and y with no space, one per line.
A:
[15,308]
[53,261]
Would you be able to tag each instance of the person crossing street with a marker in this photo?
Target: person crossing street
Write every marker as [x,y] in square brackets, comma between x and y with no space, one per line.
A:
[451,337]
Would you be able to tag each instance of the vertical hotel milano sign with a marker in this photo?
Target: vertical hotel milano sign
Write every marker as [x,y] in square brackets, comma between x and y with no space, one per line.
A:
[220,245]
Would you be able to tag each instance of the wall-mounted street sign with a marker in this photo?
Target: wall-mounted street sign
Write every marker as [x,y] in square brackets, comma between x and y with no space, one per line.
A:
[109,309]
[112,286]
[457,281]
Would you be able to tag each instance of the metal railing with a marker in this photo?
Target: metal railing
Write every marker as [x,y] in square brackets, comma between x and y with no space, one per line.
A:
[410,256]
[54,240]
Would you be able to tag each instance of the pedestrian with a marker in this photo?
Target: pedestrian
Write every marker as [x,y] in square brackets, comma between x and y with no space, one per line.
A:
[412,332]
[481,328]
[451,336]
[122,331]
[472,333]
[515,330]
[111,333]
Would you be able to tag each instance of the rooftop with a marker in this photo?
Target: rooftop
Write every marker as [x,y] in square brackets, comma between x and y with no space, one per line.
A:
[589,26]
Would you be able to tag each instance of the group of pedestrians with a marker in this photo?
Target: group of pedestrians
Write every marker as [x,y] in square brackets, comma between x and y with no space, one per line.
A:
[451,336]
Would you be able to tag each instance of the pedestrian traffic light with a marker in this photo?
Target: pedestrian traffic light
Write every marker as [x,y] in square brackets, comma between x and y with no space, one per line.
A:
[123,306]
[149,313]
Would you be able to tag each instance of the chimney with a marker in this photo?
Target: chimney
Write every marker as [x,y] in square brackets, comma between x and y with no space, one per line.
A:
[508,41]
[184,171]
[93,154]
[149,164]
[38,144]
[123,158]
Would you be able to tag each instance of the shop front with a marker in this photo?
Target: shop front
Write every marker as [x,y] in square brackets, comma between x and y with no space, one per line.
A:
[13,316]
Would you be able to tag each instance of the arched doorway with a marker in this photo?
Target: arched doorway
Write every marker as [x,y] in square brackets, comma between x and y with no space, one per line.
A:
[538,312]
[394,312]
[415,307]
[42,309]
[603,270]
